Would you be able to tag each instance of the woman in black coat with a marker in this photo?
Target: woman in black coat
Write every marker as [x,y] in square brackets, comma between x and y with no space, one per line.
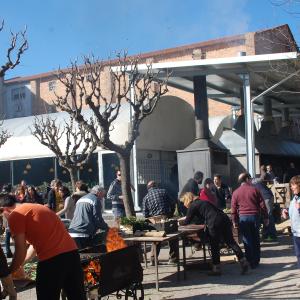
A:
[218,226]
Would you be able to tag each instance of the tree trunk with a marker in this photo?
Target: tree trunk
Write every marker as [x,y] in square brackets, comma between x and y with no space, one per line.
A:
[73,177]
[126,185]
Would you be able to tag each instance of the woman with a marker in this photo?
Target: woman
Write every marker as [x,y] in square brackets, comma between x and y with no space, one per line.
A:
[20,194]
[33,196]
[294,214]
[218,228]
[69,204]
[207,194]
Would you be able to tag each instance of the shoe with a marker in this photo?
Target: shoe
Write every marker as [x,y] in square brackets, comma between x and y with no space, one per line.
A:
[197,246]
[244,266]
[173,261]
[216,271]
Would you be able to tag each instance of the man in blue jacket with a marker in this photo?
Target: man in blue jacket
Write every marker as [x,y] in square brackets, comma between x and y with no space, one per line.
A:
[88,219]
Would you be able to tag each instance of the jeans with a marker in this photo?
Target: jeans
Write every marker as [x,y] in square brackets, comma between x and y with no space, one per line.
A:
[63,271]
[249,226]
[7,241]
[296,240]
[270,230]
[222,231]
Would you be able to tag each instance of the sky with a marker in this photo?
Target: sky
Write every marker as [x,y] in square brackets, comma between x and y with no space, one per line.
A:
[61,31]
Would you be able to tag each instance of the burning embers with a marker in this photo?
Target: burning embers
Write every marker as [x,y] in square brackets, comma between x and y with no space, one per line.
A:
[92,273]
[114,241]
[92,270]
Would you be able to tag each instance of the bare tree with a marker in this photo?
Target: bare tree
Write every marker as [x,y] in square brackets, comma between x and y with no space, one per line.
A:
[4,135]
[18,45]
[85,87]
[73,153]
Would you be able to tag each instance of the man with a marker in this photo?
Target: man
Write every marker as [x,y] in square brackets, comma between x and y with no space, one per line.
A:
[88,219]
[114,194]
[192,185]
[157,203]
[222,192]
[247,206]
[270,176]
[59,264]
[269,232]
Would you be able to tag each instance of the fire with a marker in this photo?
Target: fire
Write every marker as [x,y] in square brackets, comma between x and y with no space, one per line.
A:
[114,241]
[92,272]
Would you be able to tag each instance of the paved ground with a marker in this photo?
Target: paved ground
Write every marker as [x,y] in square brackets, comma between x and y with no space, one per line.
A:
[274,279]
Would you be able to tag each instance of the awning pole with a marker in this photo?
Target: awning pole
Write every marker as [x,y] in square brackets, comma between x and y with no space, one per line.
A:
[250,142]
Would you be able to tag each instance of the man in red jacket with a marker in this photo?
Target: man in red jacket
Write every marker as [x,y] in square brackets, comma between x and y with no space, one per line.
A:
[247,206]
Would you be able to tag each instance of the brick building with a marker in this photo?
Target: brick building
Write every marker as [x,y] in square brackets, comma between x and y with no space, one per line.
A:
[32,95]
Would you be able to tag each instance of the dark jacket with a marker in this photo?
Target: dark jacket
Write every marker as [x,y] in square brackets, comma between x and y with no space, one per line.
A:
[190,187]
[222,194]
[114,191]
[52,199]
[204,211]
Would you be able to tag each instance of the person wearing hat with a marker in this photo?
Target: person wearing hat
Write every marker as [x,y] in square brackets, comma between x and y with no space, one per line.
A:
[88,219]
[247,208]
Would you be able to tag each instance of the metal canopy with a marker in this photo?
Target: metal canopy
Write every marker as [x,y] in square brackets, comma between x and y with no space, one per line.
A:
[229,80]
[224,82]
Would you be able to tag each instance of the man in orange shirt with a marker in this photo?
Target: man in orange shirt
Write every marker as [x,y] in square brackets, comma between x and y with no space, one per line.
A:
[59,264]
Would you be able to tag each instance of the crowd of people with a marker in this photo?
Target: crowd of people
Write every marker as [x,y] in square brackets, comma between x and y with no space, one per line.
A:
[34,221]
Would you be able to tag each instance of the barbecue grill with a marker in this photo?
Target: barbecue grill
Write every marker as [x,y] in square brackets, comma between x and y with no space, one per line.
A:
[118,272]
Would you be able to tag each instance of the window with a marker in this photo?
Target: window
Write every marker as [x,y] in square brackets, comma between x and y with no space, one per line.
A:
[18,96]
[52,85]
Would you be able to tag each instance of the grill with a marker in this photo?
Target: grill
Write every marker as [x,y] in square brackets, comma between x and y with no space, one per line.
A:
[118,272]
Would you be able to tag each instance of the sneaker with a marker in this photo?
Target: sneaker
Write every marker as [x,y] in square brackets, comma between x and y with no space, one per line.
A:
[197,246]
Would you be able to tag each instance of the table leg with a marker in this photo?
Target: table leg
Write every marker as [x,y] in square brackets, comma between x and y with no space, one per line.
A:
[178,262]
[204,252]
[184,256]
[145,254]
[156,265]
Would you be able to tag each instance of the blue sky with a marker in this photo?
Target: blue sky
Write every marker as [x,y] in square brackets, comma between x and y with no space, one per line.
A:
[63,30]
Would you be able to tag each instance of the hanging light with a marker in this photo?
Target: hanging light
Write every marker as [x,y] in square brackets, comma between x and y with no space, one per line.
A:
[51,170]
[81,167]
[64,172]
[28,166]
[25,172]
[90,170]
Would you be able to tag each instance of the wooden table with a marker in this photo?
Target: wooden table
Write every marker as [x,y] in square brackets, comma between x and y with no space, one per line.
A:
[187,230]
[155,241]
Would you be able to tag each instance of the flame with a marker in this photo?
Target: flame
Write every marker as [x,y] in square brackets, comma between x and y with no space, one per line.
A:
[114,240]
[92,272]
